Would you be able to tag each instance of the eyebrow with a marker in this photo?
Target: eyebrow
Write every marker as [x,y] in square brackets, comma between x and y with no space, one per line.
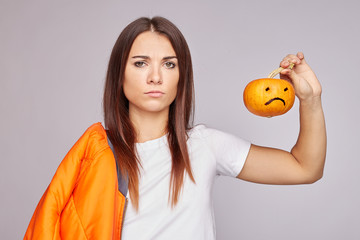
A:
[147,57]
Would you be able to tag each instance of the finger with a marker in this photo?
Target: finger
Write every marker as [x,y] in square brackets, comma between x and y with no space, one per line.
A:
[286,72]
[294,59]
[292,75]
[289,59]
[300,55]
[285,63]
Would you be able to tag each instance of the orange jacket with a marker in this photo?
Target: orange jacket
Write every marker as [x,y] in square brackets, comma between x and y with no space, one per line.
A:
[82,200]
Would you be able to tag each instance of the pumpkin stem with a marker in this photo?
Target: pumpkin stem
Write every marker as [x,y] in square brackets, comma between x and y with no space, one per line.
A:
[277,71]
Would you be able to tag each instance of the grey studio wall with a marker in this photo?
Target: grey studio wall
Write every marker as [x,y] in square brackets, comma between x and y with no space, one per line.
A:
[53,59]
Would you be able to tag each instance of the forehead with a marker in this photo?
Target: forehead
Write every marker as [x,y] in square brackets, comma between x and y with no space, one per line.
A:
[152,43]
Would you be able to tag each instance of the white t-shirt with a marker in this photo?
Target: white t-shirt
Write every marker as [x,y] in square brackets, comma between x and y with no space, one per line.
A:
[212,153]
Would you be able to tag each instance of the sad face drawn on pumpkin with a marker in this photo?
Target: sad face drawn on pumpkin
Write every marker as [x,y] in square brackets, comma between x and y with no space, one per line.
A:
[276,98]
[268,97]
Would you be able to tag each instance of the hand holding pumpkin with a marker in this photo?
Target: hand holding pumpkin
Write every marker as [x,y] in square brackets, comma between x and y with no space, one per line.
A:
[268,97]
[301,76]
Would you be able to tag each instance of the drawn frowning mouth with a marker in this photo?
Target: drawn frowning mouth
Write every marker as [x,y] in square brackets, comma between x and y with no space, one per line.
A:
[271,100]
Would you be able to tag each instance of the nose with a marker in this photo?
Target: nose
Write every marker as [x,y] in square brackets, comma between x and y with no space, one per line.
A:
[155,76]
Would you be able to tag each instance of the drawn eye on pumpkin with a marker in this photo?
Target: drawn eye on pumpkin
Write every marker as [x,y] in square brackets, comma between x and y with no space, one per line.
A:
[267,89]
[286,89]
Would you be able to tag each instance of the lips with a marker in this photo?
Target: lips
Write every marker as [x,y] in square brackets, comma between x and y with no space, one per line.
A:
[154,93]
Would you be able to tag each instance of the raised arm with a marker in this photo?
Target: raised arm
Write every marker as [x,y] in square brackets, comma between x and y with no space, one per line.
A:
[305,163]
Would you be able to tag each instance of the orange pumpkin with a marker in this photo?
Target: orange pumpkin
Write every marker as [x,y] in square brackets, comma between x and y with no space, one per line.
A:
[268,97]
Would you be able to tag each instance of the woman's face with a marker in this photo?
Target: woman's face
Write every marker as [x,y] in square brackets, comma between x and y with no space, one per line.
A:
[152,66]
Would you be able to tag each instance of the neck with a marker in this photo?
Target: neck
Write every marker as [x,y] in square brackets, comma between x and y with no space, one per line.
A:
[149,125]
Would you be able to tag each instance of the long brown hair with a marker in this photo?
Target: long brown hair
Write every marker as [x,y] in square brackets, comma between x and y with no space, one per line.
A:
[116,107]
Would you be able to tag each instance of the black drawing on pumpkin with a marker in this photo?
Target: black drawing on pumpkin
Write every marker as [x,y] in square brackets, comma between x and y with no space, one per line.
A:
[276,98]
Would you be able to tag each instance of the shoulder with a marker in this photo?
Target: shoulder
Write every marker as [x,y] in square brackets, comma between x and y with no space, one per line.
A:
[92,141]
[203,134]
[96,128]
[204,131]
[215,137]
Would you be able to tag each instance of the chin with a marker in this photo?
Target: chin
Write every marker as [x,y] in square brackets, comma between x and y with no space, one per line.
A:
[153,108]
[156,110]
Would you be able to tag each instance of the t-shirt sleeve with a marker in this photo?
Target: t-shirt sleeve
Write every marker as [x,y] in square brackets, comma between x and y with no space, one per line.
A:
[230,151]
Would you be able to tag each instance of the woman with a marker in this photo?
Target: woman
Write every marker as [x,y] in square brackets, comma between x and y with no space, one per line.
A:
[159,186]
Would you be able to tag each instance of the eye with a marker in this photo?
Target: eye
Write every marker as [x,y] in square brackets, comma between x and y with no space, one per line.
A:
[169,64]
[285,89]
[140,64]
[267,89]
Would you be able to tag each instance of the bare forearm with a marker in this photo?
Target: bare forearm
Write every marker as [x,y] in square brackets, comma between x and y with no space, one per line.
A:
[310,148]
